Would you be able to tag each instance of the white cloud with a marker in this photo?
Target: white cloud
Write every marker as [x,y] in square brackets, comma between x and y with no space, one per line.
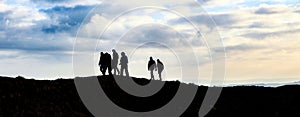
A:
[42,65]
[258,43]
[21,16]
[220,3]
[4,7]
[138,3]
[66,3]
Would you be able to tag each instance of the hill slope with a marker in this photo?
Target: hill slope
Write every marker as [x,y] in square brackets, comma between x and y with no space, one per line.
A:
[28,97]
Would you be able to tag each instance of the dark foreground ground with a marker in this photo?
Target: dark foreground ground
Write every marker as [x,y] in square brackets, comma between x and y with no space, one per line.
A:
[29,98]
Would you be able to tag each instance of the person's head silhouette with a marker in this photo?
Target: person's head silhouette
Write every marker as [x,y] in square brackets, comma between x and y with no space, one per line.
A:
[113,50]
[151,58]
[123,53]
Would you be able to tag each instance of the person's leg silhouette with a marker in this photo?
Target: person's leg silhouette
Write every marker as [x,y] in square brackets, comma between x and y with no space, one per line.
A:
[109,70]
[159,74]
[151,73]
[116,70]
[122,69]
[101,70]
[104,70]
[126,71]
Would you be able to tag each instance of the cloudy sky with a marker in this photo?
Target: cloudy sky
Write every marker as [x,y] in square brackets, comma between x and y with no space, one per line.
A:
[261,37]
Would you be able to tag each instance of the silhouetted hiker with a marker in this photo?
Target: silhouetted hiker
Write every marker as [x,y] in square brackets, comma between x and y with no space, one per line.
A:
[160,68]
[101,60]
[107,63]
[124,64]
[114,64]
[151,67]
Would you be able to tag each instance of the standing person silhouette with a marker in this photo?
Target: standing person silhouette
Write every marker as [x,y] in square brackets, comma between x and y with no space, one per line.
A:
[101,63]
[160,68]
[107,63]
[124,64]
[114,64]
[151,67]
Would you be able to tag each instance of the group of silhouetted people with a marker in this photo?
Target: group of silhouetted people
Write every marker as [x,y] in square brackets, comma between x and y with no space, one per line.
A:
[159,67]
[109,63]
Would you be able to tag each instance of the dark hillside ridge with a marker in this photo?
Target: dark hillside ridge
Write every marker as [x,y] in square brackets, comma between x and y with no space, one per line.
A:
[56,98]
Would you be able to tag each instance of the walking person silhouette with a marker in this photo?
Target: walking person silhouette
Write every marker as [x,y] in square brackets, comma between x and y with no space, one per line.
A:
[160,68]
[124,64]
[151,67]
[101,63]
[114,62]
[106,63]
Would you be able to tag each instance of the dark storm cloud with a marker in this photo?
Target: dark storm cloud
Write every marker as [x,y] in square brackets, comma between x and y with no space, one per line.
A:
[68,18]
[34,44]
[45,36]
[224,20]
[240,47]
[155,33]
[50,34]
[3,19]
[264,11]
[203,1]
[32,39]
[8,56]
[297,11]
[257,25]
[51,1]
[263,35]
